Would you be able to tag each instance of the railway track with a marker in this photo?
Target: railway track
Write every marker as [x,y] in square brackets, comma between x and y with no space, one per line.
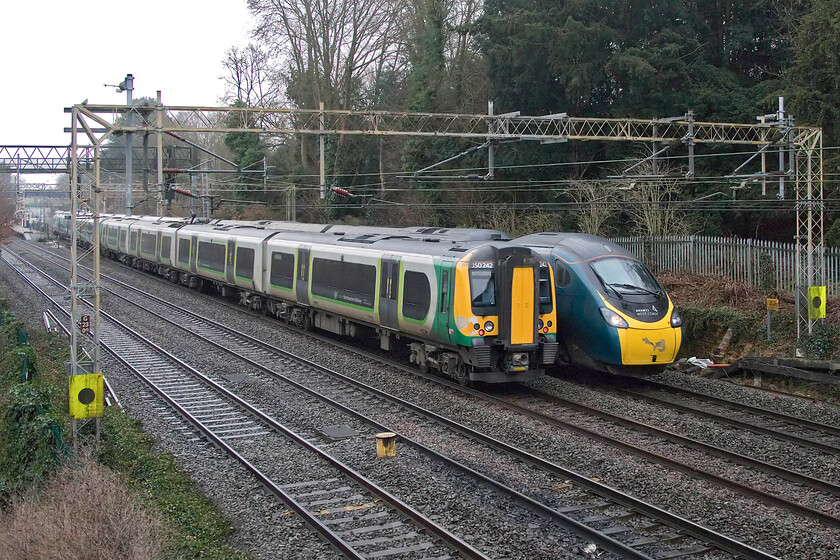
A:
[539,406]
[784,427]
[389,527]
[616,521]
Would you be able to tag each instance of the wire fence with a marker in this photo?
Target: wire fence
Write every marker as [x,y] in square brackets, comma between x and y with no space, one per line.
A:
[766,264]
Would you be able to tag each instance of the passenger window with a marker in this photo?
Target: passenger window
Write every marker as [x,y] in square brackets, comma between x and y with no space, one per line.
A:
[184,251]
[417,295]
[283,270]
[245,263]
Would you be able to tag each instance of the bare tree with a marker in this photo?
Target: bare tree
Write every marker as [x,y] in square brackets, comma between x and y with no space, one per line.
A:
[253,77]
[596,205]
[330,48]
[466,66]
[652,209]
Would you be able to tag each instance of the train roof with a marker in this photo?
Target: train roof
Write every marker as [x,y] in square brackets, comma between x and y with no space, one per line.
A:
[450,234]
[377,240]
[574,246]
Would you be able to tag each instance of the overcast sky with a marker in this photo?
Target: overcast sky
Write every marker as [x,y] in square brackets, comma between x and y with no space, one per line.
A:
[56,53]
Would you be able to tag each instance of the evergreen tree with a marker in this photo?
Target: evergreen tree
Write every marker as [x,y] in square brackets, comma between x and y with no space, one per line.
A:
[248,150]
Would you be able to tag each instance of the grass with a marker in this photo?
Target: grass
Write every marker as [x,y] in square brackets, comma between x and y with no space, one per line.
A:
[84,512]
[200,531]
[129,502]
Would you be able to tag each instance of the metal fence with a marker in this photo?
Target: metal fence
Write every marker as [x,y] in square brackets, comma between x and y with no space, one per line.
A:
[743,260]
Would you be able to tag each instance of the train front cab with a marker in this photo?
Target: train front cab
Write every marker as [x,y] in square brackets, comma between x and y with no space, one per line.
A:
[507,329]
[614,324]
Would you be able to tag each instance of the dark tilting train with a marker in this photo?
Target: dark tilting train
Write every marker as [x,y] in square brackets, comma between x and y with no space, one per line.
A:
[613,314]
[468,303]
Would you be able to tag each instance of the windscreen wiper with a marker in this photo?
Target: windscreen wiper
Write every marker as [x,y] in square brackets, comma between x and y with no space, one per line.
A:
[640,288]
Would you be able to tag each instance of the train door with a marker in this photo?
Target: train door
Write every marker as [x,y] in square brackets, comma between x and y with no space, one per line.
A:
[522,309]
[302,275]
[158,245]
[389,291]
[194,254]
[518,311]
[231,255]
[444,311]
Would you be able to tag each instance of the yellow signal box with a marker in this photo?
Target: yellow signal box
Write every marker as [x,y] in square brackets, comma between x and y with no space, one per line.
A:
[87,396]
[816,302]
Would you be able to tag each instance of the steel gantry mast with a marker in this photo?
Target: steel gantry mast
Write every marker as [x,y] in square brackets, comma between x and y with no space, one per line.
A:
[803,143]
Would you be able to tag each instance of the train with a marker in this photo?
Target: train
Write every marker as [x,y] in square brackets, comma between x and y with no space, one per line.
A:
[614,316]
[470,304]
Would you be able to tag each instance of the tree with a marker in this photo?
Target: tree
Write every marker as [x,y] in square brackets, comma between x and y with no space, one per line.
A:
[814,75]
[596,210]
[652,210]
[330,49]
[252,77]
[247,148]
[8,201]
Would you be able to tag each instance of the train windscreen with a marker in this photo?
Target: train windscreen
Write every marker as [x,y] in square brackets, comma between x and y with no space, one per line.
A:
[483,287]
[626,276]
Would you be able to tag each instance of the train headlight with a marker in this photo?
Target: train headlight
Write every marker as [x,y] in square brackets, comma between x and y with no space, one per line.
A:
[540,324]
[613,319]
[489,326]
[675,319]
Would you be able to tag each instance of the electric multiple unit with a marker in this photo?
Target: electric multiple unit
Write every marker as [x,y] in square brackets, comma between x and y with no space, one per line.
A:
[468,303]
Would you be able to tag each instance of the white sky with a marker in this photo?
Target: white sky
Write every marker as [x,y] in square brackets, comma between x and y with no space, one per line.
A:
[56,53]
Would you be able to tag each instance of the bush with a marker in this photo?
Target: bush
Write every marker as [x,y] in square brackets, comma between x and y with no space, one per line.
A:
[31,438]
[201,531]
[85,512]
[822,344]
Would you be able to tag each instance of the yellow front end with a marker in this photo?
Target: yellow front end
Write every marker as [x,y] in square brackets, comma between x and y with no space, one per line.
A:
[522,306]
[648,343]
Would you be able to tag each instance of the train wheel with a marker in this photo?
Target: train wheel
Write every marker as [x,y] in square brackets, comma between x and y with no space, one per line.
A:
[462,376]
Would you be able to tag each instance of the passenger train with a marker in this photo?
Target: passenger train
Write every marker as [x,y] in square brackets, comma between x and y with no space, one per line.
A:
[468,303]
[614,316]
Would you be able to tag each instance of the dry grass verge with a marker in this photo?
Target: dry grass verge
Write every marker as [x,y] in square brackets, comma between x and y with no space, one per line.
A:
[85,513]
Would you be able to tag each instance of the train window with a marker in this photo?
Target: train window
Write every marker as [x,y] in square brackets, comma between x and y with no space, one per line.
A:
[417,295]
[184,251]
[211,256]
[545,290]
[133,242]
[112,236]
[344,281]
[165,248]
[282,270]
[444,291]
[562,276]
[123,234]
[245,262]
[148,242]
[627,276]
[483,287]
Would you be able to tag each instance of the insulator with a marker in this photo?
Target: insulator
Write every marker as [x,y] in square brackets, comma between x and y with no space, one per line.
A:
[185,192]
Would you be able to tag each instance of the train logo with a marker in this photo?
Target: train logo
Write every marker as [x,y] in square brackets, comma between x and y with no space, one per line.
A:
[659,346]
